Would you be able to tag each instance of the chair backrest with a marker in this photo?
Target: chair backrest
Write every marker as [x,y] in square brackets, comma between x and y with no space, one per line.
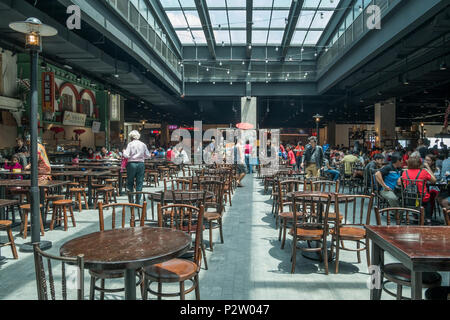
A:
[217,188]
[72,270]
[177,184]
[124,206]
[192,198]
[307,207]
[402,216]
[186,218]
[325,186]
[356,210]
[283,187]
[413,191]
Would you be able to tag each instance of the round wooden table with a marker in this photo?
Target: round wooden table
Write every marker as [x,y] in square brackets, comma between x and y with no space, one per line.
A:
[128,249]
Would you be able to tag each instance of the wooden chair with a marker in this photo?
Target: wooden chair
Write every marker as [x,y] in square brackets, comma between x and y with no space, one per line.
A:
[354,216]
[44,284]
[6,225]
[397,272]
[190,220]
[115,223]
[286,216]
[177,184]
[26,209]
[60,208]
[325,186]
[309,225]
[152,178]
[108,194]
[446,216]
[217,204]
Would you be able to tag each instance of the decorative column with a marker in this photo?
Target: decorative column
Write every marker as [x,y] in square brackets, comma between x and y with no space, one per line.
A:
[385,116]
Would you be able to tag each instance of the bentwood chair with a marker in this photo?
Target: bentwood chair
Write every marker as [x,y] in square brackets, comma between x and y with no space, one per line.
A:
[190,220]
[72,271]
[325,186]
[354,212]
[177,184]
[396,272]
[125,221]
[214,217]
[307,226]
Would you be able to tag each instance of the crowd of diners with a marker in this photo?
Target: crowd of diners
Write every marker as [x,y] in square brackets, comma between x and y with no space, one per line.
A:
[387,166]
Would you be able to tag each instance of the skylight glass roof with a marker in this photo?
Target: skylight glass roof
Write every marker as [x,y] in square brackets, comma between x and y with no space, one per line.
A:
[270,17]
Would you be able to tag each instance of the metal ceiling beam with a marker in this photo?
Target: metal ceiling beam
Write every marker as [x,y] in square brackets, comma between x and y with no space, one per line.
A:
[254,8]
[294,14]
[205,19]
[249,27]
[255,28]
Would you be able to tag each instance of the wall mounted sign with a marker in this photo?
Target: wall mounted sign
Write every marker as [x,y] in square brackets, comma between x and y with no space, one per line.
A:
[96,126]
[74,119]
[48,92]
[114,105]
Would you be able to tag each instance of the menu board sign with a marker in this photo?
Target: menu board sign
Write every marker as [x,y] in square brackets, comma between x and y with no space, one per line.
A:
[74,119]
[114,101]
[48,92]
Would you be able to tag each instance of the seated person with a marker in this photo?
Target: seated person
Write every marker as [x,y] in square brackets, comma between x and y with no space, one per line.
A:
[76,159]
[105,154]
[350,160]
[373,166]
[15,165]
[388,178]
[90,154]
[330,170]
[423,175]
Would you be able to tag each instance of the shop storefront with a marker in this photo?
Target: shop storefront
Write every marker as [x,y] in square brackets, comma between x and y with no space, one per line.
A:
[73,110]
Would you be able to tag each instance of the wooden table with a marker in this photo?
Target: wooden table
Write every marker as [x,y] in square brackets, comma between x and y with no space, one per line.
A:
[27,184]
[128,249]
[419,248]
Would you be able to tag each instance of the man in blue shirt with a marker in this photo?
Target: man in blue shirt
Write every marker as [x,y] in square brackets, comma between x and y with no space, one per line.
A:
[388,178]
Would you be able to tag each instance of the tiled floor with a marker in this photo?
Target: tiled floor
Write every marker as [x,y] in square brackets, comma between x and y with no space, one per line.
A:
[249,265]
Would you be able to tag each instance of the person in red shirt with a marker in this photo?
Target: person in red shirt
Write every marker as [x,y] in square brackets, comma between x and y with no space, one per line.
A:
[291,157]
[405,158]
[298,151]
[423,174]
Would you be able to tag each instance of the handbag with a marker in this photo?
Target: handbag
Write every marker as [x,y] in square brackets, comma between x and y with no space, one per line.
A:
[123,165]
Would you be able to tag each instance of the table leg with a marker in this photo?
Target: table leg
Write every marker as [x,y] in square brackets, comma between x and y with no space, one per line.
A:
[416,285]
[42,202]
[130,284]
[375,288]
[89,191]
[2,196]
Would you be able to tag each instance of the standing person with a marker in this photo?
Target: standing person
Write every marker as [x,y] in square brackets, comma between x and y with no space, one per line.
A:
[238,156]
[44,168]
[136,153]
[313,158]
[299,149]
[291,157]
[21,150]
[388,178]
[248,152]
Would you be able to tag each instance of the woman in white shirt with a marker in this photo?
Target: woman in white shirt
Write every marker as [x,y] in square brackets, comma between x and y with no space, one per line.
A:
[136,153]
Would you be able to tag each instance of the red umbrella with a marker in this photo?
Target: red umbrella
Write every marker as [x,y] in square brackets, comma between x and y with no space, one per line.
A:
[244,126]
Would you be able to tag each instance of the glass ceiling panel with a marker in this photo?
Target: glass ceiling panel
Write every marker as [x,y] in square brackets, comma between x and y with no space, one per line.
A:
[215,3]
[236,3]
[238,19]
[321,20]
[261,18]
[259,36]
[275,37]
[177,19]
[219,18]
[313,37]
[279,18]
[238,37]
[305,19]
[222,35]
[193,19]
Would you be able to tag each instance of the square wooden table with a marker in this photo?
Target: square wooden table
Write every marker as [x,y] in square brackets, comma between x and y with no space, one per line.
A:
[419,248]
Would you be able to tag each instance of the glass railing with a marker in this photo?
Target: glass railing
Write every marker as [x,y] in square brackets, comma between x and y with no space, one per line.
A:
[146,26]
[353,33]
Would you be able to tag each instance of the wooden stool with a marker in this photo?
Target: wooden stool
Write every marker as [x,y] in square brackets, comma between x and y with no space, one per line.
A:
[52,198]
[26,209]
[59,208]
[77,193]
[69,186]
[112,183]
[152,178]
[24,194]
[7,226]
[108,193]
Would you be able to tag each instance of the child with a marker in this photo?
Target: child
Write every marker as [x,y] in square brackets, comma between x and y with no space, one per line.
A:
[76,159]
[14,166]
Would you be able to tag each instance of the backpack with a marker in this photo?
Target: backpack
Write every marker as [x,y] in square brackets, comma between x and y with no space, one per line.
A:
[412,188]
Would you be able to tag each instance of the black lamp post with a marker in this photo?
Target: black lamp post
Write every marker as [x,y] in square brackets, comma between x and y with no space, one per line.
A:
[317,118]
[422,130]
[34,30]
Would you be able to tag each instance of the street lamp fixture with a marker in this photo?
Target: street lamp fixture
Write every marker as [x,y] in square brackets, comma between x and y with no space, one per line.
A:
[34,30]
[317,118]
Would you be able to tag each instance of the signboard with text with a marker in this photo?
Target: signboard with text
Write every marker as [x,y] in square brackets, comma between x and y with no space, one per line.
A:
[48,92]
[74,119]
